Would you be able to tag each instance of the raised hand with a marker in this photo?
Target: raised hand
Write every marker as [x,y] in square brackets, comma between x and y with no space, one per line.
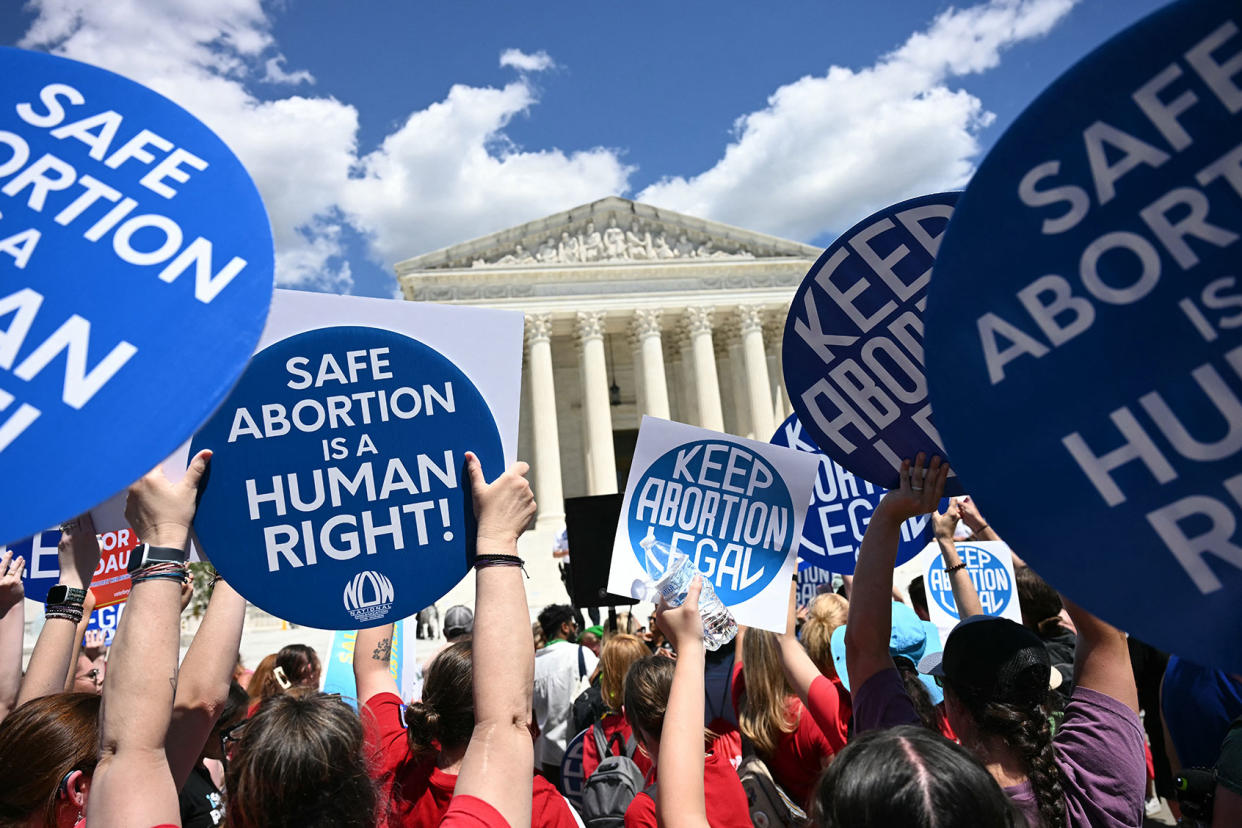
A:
[683,625]
[78,551]
[920,489]
[11,589]
[161,511]
[943,526]
[504,507]
[970,514]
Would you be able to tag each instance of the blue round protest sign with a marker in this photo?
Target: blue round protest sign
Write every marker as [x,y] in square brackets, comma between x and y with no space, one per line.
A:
[137,268]
[723,504]
[841,507]
[853,344]
[336,496]
[987,572]
[1084,335]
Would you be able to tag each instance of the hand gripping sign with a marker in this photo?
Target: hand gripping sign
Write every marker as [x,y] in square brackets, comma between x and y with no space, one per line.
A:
[841,507]
[336,496]
[1084,332]
[853,345]
[137,263]
[109,584]
[736,506]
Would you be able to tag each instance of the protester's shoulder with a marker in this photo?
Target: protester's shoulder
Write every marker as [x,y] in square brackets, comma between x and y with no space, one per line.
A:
[548,807]
[1091,711]
[470,811]
[641,813]
[882,701]
[1099,749]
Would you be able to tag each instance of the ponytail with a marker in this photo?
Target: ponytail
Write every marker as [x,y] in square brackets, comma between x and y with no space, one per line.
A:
[928,713]
[1027,730]
[444,717]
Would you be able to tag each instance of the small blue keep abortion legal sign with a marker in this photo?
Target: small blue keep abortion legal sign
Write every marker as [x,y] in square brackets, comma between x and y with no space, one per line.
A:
[337,497]
[136,270]
[853,345]
[841,507]
[1084,333]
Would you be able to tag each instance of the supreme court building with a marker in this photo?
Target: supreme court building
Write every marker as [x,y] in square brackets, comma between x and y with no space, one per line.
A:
[630,310]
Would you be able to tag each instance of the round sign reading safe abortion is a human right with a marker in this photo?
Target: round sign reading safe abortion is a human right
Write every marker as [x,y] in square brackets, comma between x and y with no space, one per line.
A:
[337,495]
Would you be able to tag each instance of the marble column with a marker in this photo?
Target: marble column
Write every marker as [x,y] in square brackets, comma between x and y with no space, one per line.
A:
[707,385]
[601,461]
[750,318]
[729,346]
[773,336]
[636,360]
[645,328]
[547,454]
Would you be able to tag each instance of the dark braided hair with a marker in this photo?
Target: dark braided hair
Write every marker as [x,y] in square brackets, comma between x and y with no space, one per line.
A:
[928,713]
[1027,730]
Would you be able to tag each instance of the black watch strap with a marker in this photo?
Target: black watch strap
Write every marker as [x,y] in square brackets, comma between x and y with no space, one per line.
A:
[145,555]
[61,595]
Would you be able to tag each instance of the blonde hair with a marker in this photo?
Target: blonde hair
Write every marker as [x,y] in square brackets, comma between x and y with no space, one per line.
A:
[620,651]
[826,613]
[764,713]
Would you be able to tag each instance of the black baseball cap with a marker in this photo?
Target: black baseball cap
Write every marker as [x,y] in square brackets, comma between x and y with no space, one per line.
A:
[995,659]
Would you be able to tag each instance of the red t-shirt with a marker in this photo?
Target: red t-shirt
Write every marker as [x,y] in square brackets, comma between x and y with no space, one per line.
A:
[830,706]
[418,793]
[472,812]
[801,754]
[726,800]
[613,723]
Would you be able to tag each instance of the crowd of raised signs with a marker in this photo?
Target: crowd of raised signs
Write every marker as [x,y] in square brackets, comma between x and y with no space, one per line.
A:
[854,715]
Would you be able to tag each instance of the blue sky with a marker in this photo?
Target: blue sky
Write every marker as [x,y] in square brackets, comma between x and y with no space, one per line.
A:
[377,130]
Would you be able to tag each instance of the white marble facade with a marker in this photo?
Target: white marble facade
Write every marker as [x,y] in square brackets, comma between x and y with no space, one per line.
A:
[682,316]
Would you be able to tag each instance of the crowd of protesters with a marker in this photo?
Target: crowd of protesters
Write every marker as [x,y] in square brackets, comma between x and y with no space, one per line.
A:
[854,714]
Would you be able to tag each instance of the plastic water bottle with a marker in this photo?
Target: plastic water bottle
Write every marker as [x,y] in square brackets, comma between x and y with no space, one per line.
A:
[671,586]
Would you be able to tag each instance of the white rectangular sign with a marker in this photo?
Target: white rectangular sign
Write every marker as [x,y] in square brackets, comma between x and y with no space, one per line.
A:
[492,361]
[736,506]
[990,566]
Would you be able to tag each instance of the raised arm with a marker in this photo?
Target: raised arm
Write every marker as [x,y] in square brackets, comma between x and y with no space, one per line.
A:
[12,626]
[1102,659]
[965,596]
[78,552]
[88,607]
[971,517]
[871,600]
[498,761]
[372,663]
[681,801]
[799,668]
[204,679]
[133,784]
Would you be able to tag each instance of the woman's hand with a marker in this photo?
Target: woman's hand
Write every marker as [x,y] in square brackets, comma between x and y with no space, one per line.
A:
[682,625]
[11,589]
[78,552]
[943,526]
[161,511]
[505,506]
[918,493]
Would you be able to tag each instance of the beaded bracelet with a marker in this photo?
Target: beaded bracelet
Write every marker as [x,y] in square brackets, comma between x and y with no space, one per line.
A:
[482,561]
[160,571]
[949,570]
[69,612]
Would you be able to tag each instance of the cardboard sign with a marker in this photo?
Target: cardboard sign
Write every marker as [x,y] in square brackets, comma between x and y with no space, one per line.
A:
[736,506]
[337,497]
[853,345]
[137,265]
[1084,332]
[841,507]
[990,566]
[110,583]
[105,619]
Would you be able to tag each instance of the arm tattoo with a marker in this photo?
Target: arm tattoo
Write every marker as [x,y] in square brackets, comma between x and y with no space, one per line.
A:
[383,650]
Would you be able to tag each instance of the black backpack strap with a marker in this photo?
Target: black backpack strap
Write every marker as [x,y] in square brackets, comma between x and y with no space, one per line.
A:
[582,670]
[616,740]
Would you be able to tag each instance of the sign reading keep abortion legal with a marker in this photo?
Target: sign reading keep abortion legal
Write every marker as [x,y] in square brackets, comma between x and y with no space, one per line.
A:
[1084,332]
[853,345]
[841,507]
[735,506]
[989,564]
[337,497]
[137,263]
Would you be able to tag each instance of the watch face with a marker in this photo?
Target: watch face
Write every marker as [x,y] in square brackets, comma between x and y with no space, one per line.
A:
[56,595]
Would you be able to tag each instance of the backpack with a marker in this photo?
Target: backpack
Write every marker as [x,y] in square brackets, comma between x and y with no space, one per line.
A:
[770,806]
[613,786]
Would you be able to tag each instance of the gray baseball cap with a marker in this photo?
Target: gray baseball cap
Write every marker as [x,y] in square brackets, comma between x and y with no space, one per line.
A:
[458,620]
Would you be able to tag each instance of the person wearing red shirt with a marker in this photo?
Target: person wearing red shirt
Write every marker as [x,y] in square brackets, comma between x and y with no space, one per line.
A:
[620,651]
[771,717]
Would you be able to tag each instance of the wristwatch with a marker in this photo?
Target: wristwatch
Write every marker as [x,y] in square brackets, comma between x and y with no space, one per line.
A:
[144,555]
[61,595]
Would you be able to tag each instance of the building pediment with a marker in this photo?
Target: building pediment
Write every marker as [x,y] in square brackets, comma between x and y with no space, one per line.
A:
[609,231]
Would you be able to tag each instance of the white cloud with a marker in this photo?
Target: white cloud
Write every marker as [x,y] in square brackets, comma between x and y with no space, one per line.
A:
[275,72]
[828,150]
[523,62]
